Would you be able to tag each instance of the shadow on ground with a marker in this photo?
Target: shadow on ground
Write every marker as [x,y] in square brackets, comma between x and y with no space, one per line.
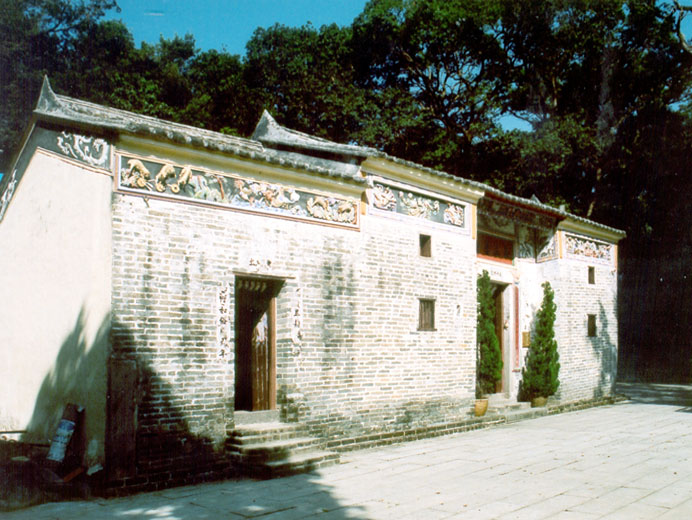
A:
[291,498]
[168,451]
[296,497]
[652,393]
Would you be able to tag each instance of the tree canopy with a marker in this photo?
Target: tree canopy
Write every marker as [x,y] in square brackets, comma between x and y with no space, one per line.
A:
[603,85]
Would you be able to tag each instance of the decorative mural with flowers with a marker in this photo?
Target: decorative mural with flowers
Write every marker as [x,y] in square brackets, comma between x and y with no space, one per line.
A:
[199,185]
[588,249]
[389,198]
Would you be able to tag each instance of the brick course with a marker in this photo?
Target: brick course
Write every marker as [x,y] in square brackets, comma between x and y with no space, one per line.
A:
[588,364]
[355,364]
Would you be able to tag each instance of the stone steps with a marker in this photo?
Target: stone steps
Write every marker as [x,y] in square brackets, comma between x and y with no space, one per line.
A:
[524,413]
[275,450]
[512,410]
[269,450]
[263,432]
[501,403]
[510,406]
[298,463]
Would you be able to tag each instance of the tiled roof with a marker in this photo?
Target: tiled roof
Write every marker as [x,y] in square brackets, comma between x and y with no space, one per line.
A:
[270,142]
[269,132]
[54,107]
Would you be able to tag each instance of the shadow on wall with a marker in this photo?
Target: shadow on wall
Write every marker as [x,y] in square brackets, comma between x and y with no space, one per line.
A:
[78,376]
[606,351]
[159,450]
[150,444]
[167,453]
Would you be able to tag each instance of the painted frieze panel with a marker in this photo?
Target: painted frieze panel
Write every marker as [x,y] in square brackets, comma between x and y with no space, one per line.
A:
[547,248]
[233,191]
[500,215]
[526,242]
[87,149]
[415,205]
[587,249]
[7,194]
[537,245]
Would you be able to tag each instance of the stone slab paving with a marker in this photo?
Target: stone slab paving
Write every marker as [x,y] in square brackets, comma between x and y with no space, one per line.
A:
[627,461]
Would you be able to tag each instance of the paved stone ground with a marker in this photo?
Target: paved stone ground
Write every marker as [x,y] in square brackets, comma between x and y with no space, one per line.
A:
[626,461]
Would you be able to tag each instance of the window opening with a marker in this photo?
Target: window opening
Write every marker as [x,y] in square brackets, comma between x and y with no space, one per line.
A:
[426,314]
[495,247]
[592,275]
[591,325]
[425,245]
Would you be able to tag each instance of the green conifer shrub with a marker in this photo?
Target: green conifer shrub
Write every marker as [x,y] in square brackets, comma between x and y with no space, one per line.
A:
[540,375]
[488,354]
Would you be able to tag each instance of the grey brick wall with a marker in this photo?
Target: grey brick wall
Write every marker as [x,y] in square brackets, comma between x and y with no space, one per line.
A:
[350,360]
[588,365]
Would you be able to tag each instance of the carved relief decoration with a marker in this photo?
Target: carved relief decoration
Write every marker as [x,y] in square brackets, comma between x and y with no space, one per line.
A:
[331,209]
[383,198]
[88,149]
[501,215]
[526,250]
[547,250]
[416,205]
[455,215]
[583,248]
[223,323]
[188,183]
[7,194]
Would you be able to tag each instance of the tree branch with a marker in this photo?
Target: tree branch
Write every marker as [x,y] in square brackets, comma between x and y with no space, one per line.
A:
[682,10]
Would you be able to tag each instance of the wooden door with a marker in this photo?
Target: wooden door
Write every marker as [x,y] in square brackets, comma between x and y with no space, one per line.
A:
[121,418]
[255,345]
[263,359]
[500,332]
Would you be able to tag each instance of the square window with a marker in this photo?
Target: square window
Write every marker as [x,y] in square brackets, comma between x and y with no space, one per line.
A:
[592,275]
[591,325]
[426,314]
[425,245]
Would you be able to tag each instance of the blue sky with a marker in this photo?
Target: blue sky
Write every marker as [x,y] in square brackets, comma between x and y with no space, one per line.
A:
[227,24]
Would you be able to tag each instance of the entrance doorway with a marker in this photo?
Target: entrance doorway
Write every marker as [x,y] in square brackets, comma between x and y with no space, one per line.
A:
[255,343]
[500,321]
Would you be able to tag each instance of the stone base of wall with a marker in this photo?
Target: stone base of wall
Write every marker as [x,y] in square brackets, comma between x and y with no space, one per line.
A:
[192,466]
[464,425]
[413,434]
[573,406]
[165,461]
[222,470]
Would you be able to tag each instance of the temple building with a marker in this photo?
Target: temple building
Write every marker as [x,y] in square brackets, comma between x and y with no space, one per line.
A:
[182,285]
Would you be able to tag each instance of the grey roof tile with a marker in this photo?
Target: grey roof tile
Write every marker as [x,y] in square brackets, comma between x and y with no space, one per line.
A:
[270,142]
[58,108]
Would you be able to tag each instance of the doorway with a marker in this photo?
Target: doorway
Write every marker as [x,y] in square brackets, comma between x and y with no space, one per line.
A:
[500,327]
[255,343]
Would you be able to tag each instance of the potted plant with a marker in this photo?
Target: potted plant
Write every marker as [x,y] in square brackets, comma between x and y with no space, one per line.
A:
[488,354]
[539,377]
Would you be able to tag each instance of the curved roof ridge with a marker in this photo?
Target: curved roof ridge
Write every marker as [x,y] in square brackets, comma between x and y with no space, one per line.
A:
[267,132]
[270,132]
[57,106]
